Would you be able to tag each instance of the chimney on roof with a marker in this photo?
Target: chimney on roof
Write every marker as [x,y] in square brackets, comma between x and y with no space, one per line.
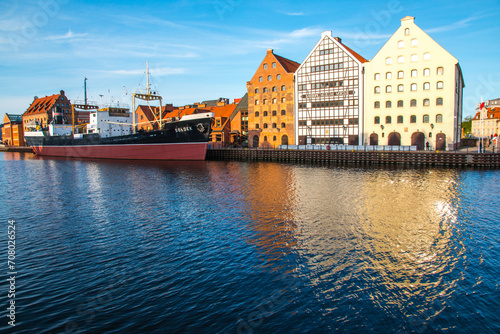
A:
[338,39]
[269,50]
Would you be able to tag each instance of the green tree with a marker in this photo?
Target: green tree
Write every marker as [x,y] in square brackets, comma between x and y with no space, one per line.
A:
[467,125]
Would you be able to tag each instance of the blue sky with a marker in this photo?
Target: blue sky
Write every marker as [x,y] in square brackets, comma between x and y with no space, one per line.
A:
[201,50]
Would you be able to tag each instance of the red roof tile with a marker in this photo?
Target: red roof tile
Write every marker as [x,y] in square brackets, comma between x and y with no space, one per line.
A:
[289,65]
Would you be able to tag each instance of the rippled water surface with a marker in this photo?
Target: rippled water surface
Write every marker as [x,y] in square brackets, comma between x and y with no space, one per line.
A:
[230,247]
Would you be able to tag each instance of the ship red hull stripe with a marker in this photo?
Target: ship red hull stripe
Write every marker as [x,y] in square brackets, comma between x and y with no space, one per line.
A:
[177,151]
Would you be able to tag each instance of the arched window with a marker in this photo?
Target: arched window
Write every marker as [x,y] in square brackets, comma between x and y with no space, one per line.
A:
[256,90]
[265,113]
[400,75]
[275,89]
[388,60]
[425,119]
[427,86]
[439,101]
[414,42]
[278,77]
[377,104]
[414,73]
[274,100]
[401,88]
[274,112]
[388,104]
[413,87]
[427,56]
[274,125]
[265,66]
[283,125]
[400,103]
[439,85]
[388,89]
[413,103]
[413,119]
[261,79]
[264,101]
[274,65]
[269,77]
[439,118]
[440,71]
[407,31]
[427,72]
[256,102]
[388,75]
[265,125]
[282,100]
[256,114]
[427,102]
[256,126]
[274,138]
[377,76]
[400,119]
[283,112]
[283,88]
[265,138]
[388,120]
[401,59]
[401,44]
[377,89]
[414,58]
[376,120]
[265,90]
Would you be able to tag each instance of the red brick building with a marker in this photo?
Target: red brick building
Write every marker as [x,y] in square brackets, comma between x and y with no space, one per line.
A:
[270,102]
[12,131]
[45,110]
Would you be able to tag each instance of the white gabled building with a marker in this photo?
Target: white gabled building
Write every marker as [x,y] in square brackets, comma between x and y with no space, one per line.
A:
[329,95]
[414,92]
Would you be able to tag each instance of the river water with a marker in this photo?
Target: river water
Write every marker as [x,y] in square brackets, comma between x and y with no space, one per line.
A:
[232,247]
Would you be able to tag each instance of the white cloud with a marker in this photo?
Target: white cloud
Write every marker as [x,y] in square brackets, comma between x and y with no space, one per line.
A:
[68,35]
[294,13]
[158,71]
[456,25]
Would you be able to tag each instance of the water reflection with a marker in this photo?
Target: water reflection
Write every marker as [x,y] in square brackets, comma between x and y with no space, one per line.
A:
[385,236]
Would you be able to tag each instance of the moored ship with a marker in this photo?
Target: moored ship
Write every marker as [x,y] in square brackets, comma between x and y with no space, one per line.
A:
[112,133]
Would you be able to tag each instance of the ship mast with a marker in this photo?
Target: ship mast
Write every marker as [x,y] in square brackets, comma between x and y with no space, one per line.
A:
[84,106]
[146,97]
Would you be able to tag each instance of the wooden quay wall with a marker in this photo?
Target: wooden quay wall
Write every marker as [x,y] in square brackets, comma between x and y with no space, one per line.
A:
[399,158]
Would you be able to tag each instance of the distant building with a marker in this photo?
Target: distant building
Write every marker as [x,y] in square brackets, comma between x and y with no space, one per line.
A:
[414,92]
[239,122]
[147,117]
[221,129]
[46,110]
[329,94]
[270,102]
[12,130]
[491,122]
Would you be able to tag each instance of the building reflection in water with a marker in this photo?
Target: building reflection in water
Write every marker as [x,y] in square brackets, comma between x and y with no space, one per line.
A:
[387,236]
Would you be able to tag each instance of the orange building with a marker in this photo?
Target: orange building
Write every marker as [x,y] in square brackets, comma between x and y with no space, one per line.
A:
[12,131]
[147,117]
[221,129]
[270,102]
[45,110]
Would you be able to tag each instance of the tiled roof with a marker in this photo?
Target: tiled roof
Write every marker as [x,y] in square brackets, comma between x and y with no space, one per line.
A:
[166,111]
[42,105]
[289,65]
[493,112]
[354,53]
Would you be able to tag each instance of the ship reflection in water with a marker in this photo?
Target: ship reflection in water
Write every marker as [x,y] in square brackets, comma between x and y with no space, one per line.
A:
[254,247]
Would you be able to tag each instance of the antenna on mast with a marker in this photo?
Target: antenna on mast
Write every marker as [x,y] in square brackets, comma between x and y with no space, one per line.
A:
[85,89]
